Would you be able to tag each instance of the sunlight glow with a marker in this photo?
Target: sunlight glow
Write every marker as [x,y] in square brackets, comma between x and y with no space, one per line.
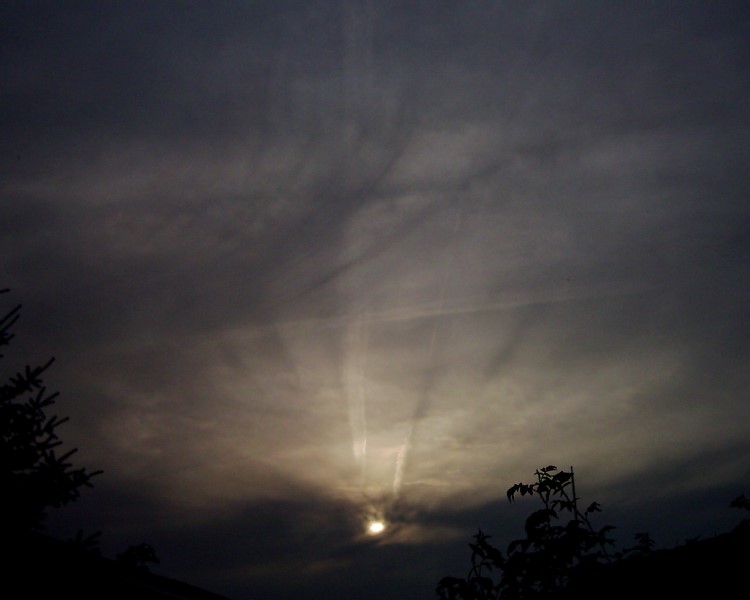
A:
[376,527]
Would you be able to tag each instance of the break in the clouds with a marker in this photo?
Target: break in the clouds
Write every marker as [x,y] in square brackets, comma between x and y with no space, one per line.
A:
[302,266]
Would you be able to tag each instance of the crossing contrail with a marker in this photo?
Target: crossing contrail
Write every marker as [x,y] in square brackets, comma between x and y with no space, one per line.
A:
[355,389]
[423,403]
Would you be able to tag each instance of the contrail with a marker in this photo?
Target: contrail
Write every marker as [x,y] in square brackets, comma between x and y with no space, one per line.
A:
[419,412]
[429,310]
[423,403]
[356,361]
[398,476]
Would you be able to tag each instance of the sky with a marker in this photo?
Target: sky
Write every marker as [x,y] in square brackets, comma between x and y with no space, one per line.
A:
[304,265]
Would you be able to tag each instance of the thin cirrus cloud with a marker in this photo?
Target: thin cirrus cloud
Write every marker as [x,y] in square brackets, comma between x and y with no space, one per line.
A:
[385,259]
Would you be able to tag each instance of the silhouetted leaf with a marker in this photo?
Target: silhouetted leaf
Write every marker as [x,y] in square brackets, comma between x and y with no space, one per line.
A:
[523,544]
[512,492]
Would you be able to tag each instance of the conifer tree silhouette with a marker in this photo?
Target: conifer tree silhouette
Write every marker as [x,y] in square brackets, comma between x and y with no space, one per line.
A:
[34,476]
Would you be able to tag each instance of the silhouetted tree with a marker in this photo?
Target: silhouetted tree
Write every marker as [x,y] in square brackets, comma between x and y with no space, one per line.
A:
[741,502]
[559,538]
[563,556]
[137,556]
[33,476]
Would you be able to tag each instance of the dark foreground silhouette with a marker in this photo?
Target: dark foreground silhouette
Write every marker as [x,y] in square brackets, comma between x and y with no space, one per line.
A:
[711,567]
[564,556]
[42,567]
[34,477]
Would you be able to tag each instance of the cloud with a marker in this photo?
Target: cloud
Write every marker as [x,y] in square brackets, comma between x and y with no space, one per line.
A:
[292,260]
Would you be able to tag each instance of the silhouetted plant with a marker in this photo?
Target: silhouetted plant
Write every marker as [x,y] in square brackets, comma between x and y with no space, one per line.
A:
[644,545]
[137,556]
[87,544]
[741,502]
[33,476]
[559,538]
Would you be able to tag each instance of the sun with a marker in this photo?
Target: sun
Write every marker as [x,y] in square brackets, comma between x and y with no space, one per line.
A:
[375,527]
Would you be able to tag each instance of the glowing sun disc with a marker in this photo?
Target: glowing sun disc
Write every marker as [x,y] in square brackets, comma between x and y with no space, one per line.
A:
[376,527]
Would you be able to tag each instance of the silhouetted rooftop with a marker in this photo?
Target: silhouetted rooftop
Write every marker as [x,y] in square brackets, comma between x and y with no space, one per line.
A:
[38,566]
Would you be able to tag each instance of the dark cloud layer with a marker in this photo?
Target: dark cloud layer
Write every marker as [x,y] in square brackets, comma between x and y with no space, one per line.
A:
[303,266]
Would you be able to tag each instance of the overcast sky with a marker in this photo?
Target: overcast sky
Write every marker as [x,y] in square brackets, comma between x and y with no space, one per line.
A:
[304,264]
